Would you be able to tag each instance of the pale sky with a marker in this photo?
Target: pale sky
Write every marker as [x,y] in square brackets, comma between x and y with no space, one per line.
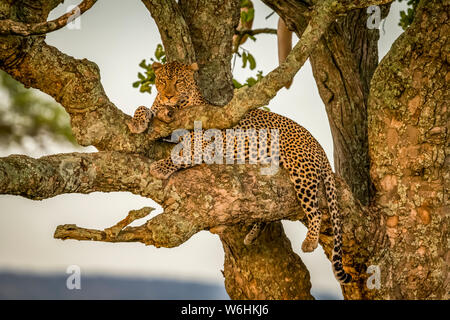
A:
[117,37]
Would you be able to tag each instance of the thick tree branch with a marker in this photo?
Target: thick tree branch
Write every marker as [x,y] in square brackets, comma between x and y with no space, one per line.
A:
[360,4]
[236,194]
[11,27]
[409,149]
[58,174]
[212,24]
[173,29]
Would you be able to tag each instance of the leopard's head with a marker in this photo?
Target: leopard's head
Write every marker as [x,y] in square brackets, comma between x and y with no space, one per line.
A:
[176,84]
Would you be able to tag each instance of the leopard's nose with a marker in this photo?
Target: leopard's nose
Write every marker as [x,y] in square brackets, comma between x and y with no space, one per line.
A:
[169,96]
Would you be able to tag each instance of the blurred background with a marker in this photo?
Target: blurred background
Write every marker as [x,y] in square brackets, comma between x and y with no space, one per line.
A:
[33,265]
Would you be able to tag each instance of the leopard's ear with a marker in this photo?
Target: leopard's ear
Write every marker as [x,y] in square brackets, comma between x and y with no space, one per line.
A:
[194,66]
[156,66]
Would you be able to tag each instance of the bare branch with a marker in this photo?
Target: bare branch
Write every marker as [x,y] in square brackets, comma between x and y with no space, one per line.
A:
[133,215]
[254,32]
[129,234]
[77,173]
[11,27]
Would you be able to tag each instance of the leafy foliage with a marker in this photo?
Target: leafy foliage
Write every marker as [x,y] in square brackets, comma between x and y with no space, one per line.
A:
[249,14]
[147,80]
[407,17]
[24,114]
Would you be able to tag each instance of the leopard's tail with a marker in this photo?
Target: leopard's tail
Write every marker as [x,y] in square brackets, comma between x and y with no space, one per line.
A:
[336,256]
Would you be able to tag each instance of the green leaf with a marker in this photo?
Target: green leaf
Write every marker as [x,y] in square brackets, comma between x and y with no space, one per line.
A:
[141,76]
[237,84]
[250,14]
[244,16]
[251,81]
[136,84]
[252,61]
[159,52]
[244,60]
[143,64]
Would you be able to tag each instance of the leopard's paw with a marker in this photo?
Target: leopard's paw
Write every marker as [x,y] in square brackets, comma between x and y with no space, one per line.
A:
[139,122]
[309,245]
[136,126]
[158,171]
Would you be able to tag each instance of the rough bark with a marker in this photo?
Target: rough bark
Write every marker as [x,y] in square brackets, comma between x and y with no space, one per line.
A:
[268,269]
[175,35]
[232,198]
[11,27]
[409,148]
[212,26]
[343,64]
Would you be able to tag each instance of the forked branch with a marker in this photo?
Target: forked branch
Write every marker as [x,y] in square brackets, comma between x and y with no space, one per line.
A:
[11,27]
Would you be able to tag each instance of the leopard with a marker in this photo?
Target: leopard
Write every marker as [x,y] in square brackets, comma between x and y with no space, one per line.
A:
[298,152]
[176,88]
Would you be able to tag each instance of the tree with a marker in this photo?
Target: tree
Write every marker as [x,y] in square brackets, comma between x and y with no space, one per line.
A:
[389,124]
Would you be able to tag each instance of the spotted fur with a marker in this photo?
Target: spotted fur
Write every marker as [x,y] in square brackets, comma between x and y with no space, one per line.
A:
[177,89]
[299,153]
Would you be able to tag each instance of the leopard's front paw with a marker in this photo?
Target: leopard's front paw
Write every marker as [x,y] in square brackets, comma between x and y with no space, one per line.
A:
[309,245]
[139,122]
[136,126]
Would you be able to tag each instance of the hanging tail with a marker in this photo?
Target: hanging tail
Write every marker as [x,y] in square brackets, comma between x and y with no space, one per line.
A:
[336,256]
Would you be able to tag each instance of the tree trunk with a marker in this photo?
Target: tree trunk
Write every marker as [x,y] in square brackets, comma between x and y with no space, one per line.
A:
[409,148]
[343,65]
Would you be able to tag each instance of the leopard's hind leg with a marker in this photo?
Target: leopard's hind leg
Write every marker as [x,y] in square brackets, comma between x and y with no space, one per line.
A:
[163,169]
[314,220]
[305,181]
